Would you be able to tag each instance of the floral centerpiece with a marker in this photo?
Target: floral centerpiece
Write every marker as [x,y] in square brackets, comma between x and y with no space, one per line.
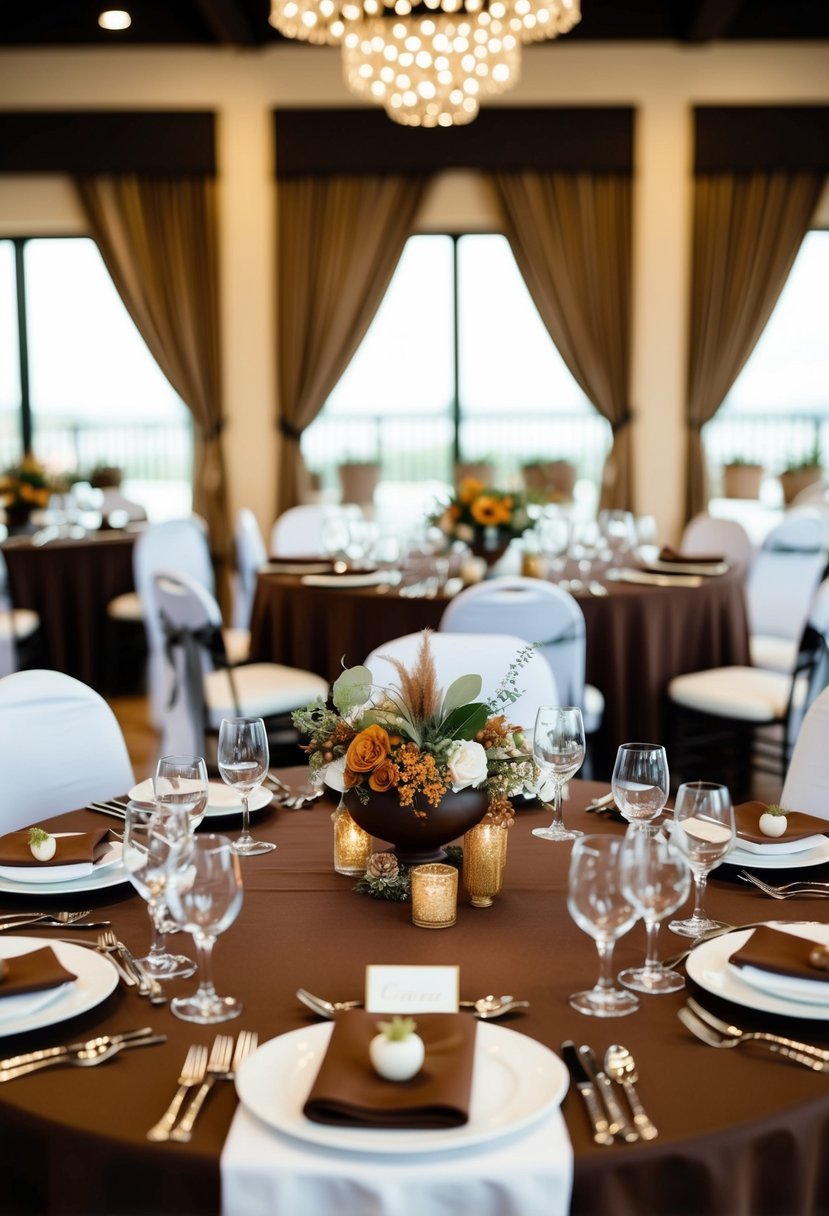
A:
[23,487]
[415,756]
[483,517]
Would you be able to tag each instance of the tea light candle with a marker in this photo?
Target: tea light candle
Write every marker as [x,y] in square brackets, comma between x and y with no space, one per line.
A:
[352,846]
[484,858]
[434,896]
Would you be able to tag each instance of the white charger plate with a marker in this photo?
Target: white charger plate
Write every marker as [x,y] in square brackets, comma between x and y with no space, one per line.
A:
[779,861]
[222,800]
[516,1080]
[368,578]
[109,875]
[35,876]
[708,966]
[96,979]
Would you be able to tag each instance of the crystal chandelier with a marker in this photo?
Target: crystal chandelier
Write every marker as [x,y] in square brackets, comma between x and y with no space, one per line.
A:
[429,65]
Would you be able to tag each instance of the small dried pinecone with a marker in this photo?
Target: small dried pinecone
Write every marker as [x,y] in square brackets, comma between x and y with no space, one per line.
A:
[382,865]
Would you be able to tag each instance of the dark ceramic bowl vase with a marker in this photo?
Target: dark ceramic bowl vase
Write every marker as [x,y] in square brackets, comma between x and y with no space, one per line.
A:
[418,840]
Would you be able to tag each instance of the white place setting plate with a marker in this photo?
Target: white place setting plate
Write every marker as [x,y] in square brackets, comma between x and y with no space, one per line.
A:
[96,980]
[366,578]
[708,966]
[816,855]
[107,871]
[516,1080]
[222,800]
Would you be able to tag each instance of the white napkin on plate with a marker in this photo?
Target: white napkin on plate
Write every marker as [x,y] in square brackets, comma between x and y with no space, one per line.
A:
[527,1174]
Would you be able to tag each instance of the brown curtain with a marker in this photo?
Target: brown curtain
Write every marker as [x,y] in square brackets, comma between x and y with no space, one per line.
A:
[158,239]
[571,237]
[748,228]
[339,241]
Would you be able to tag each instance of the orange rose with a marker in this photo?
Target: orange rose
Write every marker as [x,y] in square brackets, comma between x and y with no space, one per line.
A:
[469,489]
[368,749]
[384,777]
[350,778]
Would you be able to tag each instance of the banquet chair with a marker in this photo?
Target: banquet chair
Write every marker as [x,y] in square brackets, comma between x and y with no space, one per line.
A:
[806,787]
[250,555]
[709,534]
[488,655]
[538,612]
[300,531]
[205,684]
[781,583]
[18,626]
[60,747]
[728,721]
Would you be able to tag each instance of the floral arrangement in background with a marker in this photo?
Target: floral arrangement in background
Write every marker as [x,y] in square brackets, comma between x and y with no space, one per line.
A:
[476,508]
[25,486]
[418,741]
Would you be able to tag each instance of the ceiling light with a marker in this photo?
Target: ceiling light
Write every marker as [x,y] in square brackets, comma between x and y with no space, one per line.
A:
[114,19]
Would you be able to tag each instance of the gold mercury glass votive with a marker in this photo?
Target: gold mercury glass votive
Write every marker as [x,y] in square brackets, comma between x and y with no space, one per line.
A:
[484,858]
[434,896]
[352,846]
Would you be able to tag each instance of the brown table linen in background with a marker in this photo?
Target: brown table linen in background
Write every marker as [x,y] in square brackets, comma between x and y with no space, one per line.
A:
[742,1133]
[71,850]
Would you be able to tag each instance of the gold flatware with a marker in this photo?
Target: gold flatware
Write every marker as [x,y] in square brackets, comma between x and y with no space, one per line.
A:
[192,1074]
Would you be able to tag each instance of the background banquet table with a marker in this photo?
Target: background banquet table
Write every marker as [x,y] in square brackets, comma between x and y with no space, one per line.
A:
[69,582]
[742,1133]
[638,638]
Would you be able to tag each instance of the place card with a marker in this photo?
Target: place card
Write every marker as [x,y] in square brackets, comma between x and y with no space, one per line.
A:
[412,989]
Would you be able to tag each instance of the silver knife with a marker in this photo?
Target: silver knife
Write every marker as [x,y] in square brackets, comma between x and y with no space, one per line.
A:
[582,1082]
[48,1053]
[619,1125]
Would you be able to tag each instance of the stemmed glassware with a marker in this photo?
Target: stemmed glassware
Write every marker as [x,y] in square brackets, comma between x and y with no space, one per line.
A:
[205,897]
[181,781]
[558,750]
[703,830]
[600,906]
[656,879]
[154,838]
[243,758]
[640,781]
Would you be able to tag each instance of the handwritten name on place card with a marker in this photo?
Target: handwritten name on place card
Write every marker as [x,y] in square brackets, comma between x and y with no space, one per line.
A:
[412,989]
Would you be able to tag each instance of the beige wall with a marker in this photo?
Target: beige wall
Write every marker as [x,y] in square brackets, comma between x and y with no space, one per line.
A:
[662,82]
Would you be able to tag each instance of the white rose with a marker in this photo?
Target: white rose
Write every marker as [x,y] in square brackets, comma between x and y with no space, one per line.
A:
[467,765]
[332,775]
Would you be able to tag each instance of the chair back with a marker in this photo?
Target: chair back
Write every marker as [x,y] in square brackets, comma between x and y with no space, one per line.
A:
[486,655]
[708,534]
[785,574]
[811,672]
[300,531]
[60,748]
[534,610]
[806,787]
[250,555]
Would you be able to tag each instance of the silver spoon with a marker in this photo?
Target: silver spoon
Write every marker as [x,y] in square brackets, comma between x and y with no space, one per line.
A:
[485,1007]
[621,1066]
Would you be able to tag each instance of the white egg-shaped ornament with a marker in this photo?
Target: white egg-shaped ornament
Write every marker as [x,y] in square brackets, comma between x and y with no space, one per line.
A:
[397,1053]
[42,845]
[773,822]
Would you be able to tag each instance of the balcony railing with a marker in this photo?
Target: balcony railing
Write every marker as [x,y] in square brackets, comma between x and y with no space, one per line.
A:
[771,440]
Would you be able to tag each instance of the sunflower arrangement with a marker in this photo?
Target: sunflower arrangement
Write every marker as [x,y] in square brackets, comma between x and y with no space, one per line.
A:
[25,485]
[418,741]
[476,511]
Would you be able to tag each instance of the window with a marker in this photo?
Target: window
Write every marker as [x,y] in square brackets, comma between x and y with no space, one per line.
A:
[456,366]
[77,383]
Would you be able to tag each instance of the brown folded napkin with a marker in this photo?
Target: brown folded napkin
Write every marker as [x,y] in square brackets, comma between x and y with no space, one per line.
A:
[70,851]
[34,972]
[782,953]
[798,825]
[668,554]
[349,1093]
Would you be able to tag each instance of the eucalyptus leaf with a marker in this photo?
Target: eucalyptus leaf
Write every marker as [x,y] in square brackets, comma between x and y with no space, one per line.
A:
[465,721]
[352,688]
[462,691]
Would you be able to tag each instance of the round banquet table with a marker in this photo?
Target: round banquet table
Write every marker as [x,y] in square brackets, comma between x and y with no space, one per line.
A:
[638,638]
[69,583]
[741,1133]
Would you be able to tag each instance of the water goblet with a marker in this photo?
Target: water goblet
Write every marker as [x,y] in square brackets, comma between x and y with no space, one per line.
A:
[600,907]
[205,896]
[154,838]
[181,781]
[640,781]
[558,750]
[656,879]
[703,830]
[243,763]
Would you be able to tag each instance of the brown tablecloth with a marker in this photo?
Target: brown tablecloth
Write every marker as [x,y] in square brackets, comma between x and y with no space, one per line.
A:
[638,639]
[69,583]
[742,1132]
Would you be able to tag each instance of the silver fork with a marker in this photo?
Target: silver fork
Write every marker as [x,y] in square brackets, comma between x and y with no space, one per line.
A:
[147,985]
[220,1067]
[734,1032]
[192,1073]
[44,919]
[788,890]
[783,1047]
[106,945]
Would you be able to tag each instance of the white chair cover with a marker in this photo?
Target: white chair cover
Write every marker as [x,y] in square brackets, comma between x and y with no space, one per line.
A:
[60,748]
[537,612]
[299,531]
[806,787]
[486,655]
[784,576]
[16,624]
[250,555]
[708,534]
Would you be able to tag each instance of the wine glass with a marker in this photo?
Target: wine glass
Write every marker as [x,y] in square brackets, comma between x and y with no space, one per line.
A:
[243,762]
[640,781]
[205,896]
[656,879]
[703,830]
[154,838]
[600,907]
[558,750]
[181,781]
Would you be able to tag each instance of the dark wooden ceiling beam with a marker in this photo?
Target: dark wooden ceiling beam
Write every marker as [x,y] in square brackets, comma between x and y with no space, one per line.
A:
[228,22]
[711,19]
